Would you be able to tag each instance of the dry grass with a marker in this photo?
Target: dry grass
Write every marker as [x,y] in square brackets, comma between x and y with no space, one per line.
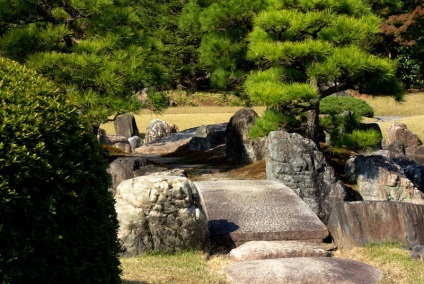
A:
[386,106]
[183,267]
[391,259]
[184,117]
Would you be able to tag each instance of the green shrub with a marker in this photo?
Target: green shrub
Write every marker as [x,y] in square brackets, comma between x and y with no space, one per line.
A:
[57,219]
[271,120]
[336,105]
[359,139]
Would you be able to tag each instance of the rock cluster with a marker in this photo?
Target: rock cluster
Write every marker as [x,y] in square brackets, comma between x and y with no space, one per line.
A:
[160,213]
[157,129]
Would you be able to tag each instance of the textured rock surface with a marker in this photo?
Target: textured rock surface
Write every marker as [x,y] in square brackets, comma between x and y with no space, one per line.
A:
[160,213]
[379,178]
[240,148]
[117,141]
[297,162]
[240,211]
[206,138]
[278,249]
[359,223]
[397,131]
[302,270]
[135,142]
[125,125]
[157,129]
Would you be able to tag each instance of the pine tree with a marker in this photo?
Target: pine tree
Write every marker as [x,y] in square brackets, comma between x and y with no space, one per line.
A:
[307,50]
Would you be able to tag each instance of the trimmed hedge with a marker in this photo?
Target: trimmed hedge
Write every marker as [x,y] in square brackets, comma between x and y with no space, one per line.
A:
[336,105]
[57,219]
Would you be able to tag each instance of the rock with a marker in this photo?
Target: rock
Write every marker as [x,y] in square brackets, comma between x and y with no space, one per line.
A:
[240,148]
[157,129]
[117,141]
[160,213]
[379,178]
[396,147]
[297,162]
[125,125]
[301,270]
[354,224]
[135,142]
[283,249]
[397,131]
[206,138]
[416,174]
[124,168]
[417,252]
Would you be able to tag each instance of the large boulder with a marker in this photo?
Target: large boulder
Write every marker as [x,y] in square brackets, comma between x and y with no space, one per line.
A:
[297,162]
[160,213]
[240,148]
[125,125]
[157,129]
[205,138]
[380,178]
[354,224]
[118,141]
[397,131]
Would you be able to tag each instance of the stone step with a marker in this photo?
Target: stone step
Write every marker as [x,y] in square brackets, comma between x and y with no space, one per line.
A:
[255,250]
[239,211]
[301,270]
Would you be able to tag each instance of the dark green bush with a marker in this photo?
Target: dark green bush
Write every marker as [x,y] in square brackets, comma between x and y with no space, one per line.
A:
[359,139]
[57,219]
[335,105]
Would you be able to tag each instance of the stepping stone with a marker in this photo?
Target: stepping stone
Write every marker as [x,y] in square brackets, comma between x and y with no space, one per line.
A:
[302,270]
[278,249]
[239,211]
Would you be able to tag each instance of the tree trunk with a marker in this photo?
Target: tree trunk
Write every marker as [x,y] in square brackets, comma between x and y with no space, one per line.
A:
[312,124]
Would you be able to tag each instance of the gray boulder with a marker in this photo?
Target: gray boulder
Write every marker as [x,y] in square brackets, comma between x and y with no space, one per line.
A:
[125,125]
[160,213]
[117,141]
[297,162]
[397,131]
[353,224]
[380,178]
[240,148]
[302,270]
[206,138]
[135,142]
[157,129]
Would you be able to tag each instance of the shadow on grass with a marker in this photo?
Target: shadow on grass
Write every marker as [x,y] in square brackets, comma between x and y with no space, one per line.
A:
[134,282]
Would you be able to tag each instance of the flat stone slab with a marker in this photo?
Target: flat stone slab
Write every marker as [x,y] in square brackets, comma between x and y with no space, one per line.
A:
[276,249]
[302,270]
[239,211]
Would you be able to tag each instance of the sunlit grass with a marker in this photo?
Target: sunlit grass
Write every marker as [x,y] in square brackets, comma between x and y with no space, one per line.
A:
[391,259]
[386,106]
[183,267]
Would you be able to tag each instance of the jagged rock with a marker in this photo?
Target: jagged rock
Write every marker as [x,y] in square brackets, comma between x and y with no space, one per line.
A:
[417,252]
[124,168]
[354,224]
[379,178]
[117,141]
[300,270]
[157,129]
[397,131]
[240,148]
[206,138]
[161,213]
[125,125]
[297,162]
[277,249]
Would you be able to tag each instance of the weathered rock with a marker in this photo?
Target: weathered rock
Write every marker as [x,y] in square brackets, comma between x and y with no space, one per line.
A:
[379,178]
[302,270]
[157,129]
[124,168]
[125,125]
[206,138]
[239,211]
[416,174]
[297,162]
[117,141]
[397,131]
[240,148]
[417,252]
[359,223]
[396,147]
[135,142]
[160,213]
[278,249]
